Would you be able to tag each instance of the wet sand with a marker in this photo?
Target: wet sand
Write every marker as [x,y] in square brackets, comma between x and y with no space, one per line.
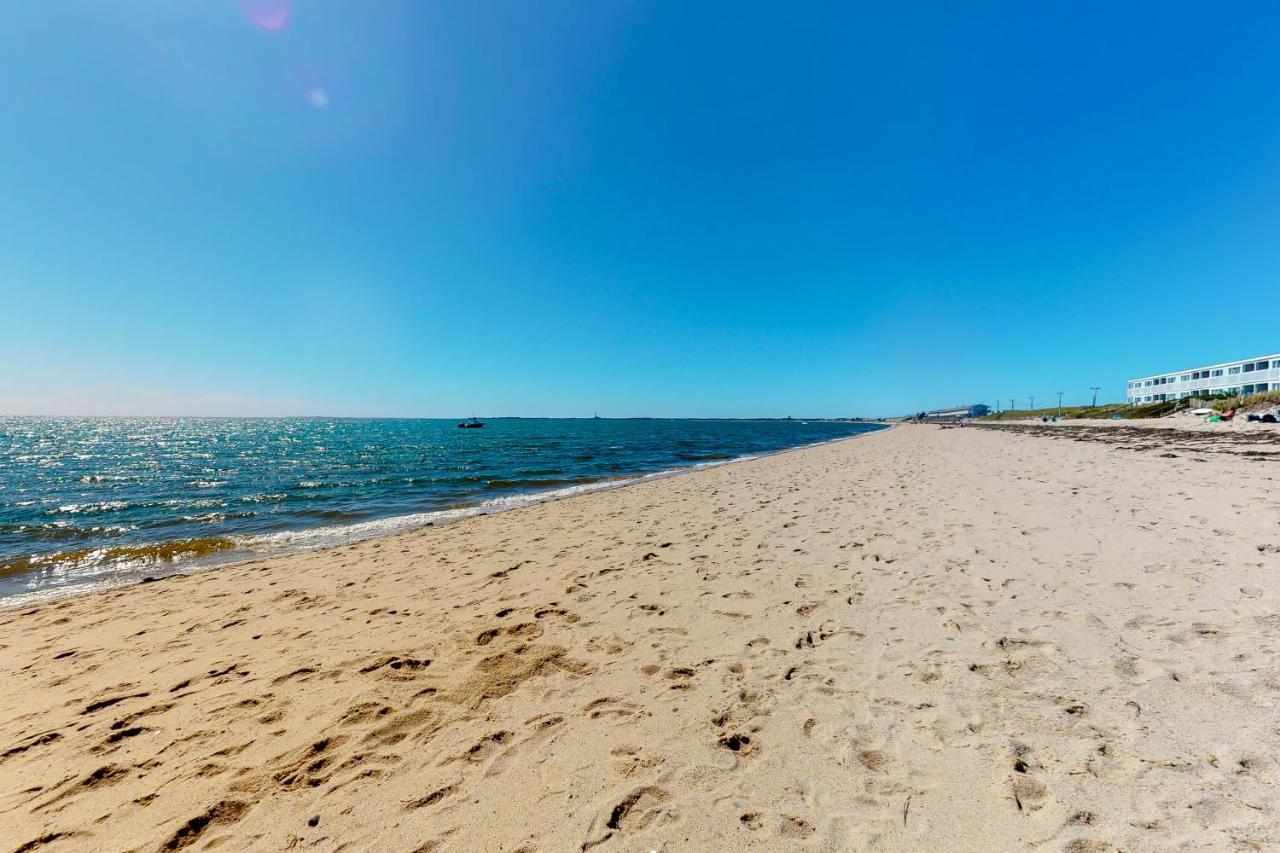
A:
[996,638]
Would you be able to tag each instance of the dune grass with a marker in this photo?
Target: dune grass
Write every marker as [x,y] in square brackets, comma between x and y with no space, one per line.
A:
[1253,401]
[1104,412]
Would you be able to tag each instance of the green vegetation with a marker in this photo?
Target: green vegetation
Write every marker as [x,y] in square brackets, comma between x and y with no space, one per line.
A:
[1253,401]
[1219,402]
[1105,412]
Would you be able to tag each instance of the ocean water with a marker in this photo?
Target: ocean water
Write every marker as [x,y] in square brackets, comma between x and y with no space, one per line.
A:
[92,502]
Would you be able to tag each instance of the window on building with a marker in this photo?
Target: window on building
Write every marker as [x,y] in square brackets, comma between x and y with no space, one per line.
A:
[1233,370]
[1248,368]
[1262,365]
[1216,373]
[1186,376]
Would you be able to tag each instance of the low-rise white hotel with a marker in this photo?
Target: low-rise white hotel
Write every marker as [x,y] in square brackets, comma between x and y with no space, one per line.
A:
[1250,376]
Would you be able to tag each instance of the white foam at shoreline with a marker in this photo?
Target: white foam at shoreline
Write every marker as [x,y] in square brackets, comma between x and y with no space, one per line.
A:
[306,539]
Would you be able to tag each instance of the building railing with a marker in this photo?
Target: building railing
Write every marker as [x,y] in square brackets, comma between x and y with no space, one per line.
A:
[1210,385]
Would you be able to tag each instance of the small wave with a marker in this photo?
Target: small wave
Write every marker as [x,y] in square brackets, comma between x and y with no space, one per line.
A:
[327,514]
[191,503]
[63,530]
[262,499]
[230,516]
[121,556]
[206,518]
[496,485]
[89,508]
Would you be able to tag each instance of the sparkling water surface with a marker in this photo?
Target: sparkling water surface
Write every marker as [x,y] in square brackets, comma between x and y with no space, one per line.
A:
[87,502]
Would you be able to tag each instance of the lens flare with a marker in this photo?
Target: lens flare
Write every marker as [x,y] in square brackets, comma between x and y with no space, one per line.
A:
[269,15]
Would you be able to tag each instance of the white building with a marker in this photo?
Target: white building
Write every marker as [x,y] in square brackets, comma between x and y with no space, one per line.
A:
[1250,376]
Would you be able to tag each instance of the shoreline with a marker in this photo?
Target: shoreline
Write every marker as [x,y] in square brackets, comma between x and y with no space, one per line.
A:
[334,536]
[949,639]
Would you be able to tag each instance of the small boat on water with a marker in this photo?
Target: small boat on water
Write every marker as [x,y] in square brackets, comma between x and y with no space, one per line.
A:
[472,423]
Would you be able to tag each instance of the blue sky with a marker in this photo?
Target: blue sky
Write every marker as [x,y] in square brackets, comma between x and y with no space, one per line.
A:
[635,208]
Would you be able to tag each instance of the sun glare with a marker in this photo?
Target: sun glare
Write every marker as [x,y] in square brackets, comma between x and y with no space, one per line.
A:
[269,15]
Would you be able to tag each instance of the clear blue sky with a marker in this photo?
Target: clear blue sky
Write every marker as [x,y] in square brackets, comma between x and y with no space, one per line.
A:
[640,208]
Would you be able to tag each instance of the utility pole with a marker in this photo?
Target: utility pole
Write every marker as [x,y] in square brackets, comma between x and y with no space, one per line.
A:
[1033,402]
[1095,391]
[1059,404]
[1011,405]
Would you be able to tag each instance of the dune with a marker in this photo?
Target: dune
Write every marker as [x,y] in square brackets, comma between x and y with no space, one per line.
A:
[953,639]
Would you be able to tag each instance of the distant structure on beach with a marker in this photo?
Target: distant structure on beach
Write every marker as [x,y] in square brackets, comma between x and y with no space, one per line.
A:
[955,413]
[1248,376]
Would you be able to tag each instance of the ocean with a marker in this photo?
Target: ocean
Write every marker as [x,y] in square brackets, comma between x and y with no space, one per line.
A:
[93,502]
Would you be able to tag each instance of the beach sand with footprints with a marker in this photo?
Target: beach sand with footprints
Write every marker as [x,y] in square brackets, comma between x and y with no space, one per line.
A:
[952,639]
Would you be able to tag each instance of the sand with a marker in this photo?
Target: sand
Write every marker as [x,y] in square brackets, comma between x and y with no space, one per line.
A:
[924,639]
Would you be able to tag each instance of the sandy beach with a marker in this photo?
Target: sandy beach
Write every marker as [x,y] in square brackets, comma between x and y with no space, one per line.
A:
[1013,637]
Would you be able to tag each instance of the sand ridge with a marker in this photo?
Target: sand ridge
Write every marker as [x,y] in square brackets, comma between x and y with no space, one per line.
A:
[960,639]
